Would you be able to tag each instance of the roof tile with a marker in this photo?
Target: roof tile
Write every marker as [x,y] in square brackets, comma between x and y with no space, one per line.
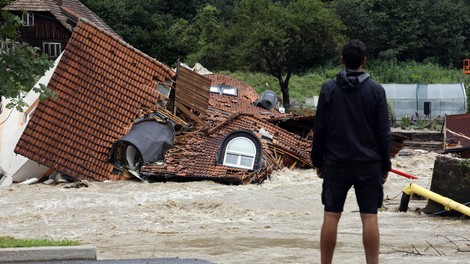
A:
[244,102]
[194,153]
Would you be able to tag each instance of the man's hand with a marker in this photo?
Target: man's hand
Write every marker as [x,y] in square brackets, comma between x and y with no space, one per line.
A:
[384,177]
[319,173]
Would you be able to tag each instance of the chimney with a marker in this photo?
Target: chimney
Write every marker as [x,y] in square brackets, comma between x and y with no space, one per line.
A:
[60,2]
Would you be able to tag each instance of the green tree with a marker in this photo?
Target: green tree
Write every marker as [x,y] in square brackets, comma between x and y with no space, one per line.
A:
[156,27]
[270,37]
[210,36]
[446,35]
[20,64]
[407,30]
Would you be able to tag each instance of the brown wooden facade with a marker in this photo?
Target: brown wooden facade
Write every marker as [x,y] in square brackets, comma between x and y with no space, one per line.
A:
[45,33]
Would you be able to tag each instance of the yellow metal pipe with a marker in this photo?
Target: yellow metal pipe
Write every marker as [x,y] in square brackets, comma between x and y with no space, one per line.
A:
[446,202]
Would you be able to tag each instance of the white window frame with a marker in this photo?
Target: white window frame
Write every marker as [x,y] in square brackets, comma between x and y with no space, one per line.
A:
[53,49]
[7,46]
[229,90]
[28,19]
[215,89]
[224,89]
[240,154]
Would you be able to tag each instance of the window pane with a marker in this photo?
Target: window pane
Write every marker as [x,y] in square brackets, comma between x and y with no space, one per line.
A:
[242,145]
[163,89]
[231,159]
[52,49]
[230,91]
[215,89]
[246,161]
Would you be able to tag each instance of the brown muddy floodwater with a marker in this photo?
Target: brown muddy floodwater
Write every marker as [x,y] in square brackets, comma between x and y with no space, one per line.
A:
[276,222]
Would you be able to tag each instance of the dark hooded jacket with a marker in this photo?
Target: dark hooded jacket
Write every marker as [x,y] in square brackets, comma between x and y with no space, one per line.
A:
[352,122]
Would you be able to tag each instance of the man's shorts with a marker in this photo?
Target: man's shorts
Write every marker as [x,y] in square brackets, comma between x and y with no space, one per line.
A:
[339,177]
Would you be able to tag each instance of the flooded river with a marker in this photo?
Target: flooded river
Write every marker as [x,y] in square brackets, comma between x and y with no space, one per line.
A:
[276,222]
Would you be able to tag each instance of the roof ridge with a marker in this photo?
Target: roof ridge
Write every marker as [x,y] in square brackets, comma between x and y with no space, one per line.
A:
[231,117]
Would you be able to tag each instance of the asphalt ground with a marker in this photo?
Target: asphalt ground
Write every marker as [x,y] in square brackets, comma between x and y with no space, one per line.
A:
[76,255]
[122,261]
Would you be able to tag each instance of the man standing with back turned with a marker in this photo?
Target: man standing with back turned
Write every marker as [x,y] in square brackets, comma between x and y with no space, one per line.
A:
[351,147]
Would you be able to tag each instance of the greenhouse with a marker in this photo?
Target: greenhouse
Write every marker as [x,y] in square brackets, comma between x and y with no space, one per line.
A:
[420,101]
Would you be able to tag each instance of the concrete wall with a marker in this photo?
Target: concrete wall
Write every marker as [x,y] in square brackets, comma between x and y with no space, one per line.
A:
[450,179]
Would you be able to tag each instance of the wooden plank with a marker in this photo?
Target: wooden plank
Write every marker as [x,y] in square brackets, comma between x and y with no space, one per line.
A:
[188,112]
[192,90]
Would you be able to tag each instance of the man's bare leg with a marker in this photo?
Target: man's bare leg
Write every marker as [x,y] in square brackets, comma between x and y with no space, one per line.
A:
[370,237]
[328,235]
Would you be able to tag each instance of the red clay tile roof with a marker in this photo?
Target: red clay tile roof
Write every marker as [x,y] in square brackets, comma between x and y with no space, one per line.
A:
[243,103]
[194,153]
[459,124]
[53,6]
[103,84]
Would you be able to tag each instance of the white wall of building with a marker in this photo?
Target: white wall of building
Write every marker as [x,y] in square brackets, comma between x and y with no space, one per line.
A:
[12,125]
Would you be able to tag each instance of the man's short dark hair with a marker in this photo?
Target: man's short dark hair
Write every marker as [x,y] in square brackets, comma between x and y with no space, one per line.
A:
[354,52]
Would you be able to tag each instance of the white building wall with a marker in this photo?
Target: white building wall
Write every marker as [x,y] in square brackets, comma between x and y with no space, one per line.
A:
[12,125]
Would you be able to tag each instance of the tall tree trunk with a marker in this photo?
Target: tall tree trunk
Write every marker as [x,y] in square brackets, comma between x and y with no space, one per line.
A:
[284,84]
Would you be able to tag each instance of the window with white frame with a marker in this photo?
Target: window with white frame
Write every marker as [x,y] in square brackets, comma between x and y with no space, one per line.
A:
[52,49]
[28,19]
[6,46]
[224,89]
[240,153]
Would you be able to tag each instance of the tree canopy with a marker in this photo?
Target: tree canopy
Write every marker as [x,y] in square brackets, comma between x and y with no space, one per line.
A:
[283,37]
[279,40]
[20,64]
[278,37]
[408,30]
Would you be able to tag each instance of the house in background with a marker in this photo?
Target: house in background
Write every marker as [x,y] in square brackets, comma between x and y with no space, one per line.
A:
[48,24]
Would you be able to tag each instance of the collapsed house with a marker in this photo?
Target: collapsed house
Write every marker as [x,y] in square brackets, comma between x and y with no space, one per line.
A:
[103,85]
[122,114]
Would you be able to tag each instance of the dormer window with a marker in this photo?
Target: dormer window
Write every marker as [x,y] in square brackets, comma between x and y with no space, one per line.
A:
[242,150]
[28,19]
[241,153]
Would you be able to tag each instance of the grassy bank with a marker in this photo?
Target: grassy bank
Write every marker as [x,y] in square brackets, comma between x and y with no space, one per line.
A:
[11,242]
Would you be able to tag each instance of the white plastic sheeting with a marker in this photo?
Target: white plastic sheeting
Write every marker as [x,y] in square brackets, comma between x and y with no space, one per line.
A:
[409,99]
